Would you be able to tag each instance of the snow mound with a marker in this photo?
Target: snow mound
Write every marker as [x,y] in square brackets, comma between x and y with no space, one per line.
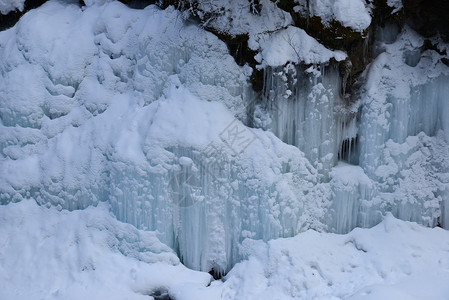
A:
[88,254]
[392,259]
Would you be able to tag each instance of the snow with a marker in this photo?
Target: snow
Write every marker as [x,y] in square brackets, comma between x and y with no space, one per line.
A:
[269,31]
[141,116]
[7,6]
[291,44]
[243,17]
[393,259]
[404,130]
[139,109]
[395,4]
[51,254]
[354,14]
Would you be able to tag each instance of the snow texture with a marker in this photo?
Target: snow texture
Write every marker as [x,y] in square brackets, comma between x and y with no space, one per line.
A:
[243,17]
[291,44]
[393,260]
[354,14]
[7,6]
[150,114]
[115,109]
[404,129]
[84,254]
[51,254]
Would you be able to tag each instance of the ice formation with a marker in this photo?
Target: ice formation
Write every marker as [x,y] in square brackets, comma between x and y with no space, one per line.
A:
[83,254]
[51,254]
[403,132]
[149,113]
[145,122]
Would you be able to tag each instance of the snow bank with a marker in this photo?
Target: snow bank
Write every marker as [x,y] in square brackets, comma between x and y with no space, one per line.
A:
[354,14]
[395,258]
[51,254]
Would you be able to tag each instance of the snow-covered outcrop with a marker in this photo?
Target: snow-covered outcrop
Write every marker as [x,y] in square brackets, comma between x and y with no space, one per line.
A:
[7,6]
[139,109]
[354,14]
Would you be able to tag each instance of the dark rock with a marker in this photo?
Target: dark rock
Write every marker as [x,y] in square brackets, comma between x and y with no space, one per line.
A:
[429,17]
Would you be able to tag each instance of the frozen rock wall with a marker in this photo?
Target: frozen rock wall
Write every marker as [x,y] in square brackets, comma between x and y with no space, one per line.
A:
[148,112]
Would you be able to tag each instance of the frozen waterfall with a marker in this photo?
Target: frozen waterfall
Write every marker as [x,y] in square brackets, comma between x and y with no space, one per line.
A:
[151,115]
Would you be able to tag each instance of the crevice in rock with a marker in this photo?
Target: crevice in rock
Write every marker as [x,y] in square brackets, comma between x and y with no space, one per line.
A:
[217,275]
[349,150]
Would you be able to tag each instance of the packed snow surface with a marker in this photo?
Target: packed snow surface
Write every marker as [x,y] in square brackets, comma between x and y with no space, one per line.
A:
[51,254]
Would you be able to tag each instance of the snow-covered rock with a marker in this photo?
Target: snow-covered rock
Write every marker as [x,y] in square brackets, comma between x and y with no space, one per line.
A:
[354,14]
[7,6]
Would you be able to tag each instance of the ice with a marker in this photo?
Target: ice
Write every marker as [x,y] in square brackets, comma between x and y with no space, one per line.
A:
[51,254]
[403,131]
[146,122]
[305,109]
[351,188]
[150,114]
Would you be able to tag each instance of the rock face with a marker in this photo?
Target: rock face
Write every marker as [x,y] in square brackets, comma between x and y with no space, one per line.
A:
[428,17]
